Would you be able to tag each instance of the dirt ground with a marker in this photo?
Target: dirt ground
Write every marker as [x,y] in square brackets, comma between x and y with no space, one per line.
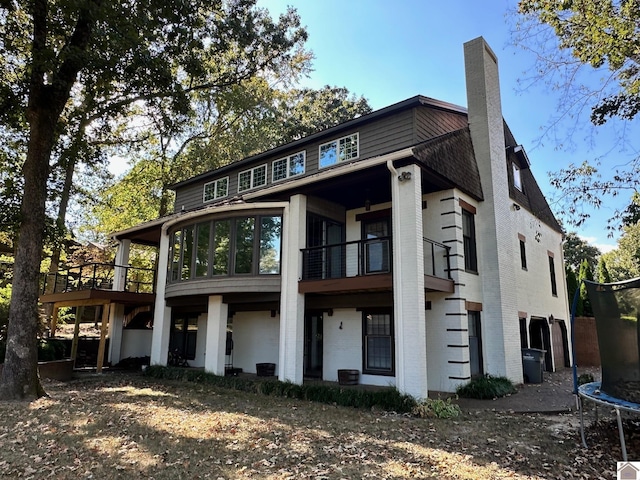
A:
[123,425]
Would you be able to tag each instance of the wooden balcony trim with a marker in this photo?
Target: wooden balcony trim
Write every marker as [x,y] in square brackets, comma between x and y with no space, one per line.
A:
[364,283]
[438,284]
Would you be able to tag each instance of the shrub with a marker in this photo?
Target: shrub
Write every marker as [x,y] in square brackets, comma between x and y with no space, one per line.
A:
[436,408]
[389,399]
[49,350]
[486,387]
[585,378]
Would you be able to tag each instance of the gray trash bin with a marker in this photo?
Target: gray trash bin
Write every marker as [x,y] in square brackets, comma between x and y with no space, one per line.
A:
[532,364]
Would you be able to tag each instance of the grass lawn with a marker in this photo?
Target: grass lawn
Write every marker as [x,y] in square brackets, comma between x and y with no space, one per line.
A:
[130,426]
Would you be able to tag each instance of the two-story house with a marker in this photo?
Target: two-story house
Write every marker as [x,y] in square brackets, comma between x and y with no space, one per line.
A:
[412,244]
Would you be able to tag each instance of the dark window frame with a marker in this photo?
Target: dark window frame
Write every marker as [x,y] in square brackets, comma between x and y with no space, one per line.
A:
[475,317]
[469,241]
[177,251]
[552,274]
[365,336]
[523,254]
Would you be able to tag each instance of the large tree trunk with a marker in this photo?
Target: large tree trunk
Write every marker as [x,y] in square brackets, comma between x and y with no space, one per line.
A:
[20,379]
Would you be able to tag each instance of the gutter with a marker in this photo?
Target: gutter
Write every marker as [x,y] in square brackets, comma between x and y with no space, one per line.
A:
[332,173]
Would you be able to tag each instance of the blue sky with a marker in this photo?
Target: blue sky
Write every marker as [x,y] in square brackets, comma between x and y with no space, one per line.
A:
[389,51]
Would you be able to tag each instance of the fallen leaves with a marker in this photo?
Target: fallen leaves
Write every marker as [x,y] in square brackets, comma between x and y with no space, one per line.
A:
[128,426]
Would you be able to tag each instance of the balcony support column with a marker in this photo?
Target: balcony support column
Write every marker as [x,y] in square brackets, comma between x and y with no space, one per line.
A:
[408,281]
[161,313]
[291,349]
[217,314]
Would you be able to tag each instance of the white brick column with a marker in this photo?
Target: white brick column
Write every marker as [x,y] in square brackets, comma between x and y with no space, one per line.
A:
[161,313]
[217,314]
[408,282]
[495,233]
[291,349]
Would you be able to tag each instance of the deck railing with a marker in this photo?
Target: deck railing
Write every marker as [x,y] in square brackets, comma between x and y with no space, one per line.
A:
[367,257]
[100,276]
[436,259]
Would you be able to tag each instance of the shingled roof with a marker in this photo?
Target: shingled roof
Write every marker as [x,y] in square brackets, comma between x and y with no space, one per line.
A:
[451,156]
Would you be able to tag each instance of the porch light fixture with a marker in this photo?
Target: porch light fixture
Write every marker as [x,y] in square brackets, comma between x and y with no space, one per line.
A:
[404,176]
[516,207]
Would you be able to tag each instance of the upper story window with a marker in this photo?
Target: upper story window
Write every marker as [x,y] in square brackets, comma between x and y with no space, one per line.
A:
[552,274]
[469,239]
[252,178]
[217,189]
[523,251]
[340,150]
[290,166]
[517,178]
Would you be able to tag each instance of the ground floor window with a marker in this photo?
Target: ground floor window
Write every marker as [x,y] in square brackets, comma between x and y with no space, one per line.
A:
[182,340]
[377,343]
[475,344]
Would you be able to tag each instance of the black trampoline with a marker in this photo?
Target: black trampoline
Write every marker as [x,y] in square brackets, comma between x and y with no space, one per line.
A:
[616,307]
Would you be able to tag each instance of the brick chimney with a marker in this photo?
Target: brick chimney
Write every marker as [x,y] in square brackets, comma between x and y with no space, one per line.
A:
[495,234]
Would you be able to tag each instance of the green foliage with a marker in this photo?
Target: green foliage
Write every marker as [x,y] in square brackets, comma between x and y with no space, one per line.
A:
[572,286]
[388,399]
[585,378]
[486,387]
[49,349]
[610,42]
[585,274]
[623,263]
[575,250]
[436,408]
[603,271]
[587,51]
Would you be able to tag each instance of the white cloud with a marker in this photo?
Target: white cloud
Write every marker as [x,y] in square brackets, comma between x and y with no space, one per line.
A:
[603,247]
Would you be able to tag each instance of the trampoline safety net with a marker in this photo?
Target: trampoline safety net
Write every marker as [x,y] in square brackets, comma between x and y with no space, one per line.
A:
[616,307]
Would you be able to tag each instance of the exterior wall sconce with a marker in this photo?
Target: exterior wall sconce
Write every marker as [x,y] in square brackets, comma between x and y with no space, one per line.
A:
[404,176]
[340,327]
[515,206]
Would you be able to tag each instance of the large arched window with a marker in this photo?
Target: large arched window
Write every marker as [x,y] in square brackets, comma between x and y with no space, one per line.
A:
[248,245]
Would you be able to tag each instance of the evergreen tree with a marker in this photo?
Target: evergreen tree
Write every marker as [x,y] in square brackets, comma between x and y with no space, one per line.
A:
[572,286]
[585,274]
[603,271]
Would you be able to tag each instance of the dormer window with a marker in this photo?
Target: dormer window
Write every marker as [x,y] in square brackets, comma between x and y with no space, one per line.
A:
[255,177]
[340,150]
[290,166]
[517,178]
[217,189]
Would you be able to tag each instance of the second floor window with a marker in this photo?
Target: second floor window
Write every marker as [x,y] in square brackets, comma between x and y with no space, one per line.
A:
[469,237]
[216,189]
[523,254]
[340,150]
[552,273]
[255,177]
[290,166]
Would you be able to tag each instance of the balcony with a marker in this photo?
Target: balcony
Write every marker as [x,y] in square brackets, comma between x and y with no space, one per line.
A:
[366,265]
[96,281]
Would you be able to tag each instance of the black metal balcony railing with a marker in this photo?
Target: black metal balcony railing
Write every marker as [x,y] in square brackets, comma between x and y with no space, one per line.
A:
[436,259]
[99,276]
[367,257]
[348,259]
